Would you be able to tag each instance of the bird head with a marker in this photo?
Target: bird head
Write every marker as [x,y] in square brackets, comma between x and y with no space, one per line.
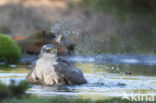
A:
[48,51]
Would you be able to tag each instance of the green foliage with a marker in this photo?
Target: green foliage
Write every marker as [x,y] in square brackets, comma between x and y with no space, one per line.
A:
[134,27]
[13,90]
[9,50]
[122,7]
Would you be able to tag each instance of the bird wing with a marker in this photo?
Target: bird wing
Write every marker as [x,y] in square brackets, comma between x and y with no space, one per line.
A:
[69,73]
[31,77]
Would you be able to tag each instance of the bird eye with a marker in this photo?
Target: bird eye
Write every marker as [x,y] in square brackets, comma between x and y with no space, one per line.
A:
[50,49]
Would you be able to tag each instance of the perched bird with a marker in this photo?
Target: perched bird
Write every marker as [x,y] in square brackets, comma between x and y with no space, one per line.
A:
[52,70]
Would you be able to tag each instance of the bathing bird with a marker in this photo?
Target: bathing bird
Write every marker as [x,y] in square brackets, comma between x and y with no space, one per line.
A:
[50,69]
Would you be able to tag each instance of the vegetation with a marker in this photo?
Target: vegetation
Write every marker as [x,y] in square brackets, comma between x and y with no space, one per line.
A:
[123,7]
[9,50]
[13,90]
[134,27]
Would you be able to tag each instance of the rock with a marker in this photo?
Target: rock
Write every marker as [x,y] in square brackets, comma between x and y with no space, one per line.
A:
[128,73]
[32,44]
[19,37]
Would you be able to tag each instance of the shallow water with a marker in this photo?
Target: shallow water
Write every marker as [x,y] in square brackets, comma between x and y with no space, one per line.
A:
[104,80]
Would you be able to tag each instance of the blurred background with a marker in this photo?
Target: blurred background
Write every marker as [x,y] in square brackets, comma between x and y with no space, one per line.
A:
[94,26]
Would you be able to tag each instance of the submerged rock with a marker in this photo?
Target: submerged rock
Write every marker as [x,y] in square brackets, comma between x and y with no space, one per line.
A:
[32,44]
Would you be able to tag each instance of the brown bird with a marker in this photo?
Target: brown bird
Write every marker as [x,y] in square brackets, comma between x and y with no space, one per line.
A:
[52,70]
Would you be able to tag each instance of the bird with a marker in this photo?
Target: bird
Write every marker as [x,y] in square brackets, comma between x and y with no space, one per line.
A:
[49,69]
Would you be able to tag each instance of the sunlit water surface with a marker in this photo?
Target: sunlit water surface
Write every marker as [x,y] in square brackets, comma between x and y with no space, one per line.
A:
[104,80]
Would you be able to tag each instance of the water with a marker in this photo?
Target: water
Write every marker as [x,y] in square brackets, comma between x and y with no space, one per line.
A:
[115,59]
[113,78]
[106,59]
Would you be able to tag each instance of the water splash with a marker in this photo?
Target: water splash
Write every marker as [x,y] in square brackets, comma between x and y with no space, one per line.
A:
[65,29]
